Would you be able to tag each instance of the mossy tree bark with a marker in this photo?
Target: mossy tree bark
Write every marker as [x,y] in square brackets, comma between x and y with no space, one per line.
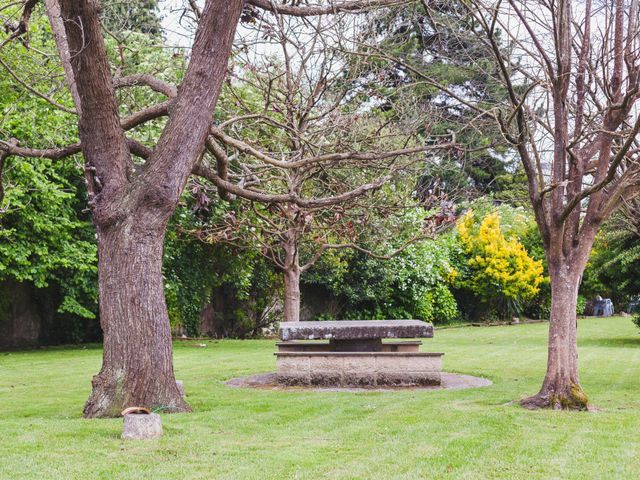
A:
[137,367]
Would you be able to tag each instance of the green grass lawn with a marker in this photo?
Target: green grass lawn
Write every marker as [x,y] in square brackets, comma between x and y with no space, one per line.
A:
[262,434]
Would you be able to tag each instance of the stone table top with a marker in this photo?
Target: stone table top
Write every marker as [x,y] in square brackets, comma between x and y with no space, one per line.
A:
[355,330]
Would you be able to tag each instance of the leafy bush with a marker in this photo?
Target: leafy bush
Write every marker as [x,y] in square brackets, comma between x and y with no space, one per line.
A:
[612,271]
[45,238]
[439,305]
[414,284]
[582,304]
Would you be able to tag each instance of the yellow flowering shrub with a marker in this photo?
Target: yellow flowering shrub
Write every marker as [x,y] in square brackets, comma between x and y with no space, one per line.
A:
[496,266]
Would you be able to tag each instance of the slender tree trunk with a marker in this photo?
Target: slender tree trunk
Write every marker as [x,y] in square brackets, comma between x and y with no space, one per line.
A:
[57,28]
[561,386]
[138,371]
[292,294]
[291,270]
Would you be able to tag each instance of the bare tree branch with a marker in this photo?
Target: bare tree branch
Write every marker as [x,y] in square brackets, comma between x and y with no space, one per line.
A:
[355,246]
[346,6]
[148,80]
[23,25]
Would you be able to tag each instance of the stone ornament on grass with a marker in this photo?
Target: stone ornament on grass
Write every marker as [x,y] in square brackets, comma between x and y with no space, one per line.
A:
[141,424]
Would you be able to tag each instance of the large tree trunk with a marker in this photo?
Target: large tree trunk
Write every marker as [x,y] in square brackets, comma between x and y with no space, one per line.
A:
[561,386]
[292,294]
[131,207]
[137,367]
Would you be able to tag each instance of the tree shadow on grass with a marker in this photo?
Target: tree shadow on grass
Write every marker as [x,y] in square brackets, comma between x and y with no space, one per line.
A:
[608,342]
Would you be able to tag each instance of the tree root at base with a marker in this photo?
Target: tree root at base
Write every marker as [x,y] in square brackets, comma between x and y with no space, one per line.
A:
[109,398]
[571,397]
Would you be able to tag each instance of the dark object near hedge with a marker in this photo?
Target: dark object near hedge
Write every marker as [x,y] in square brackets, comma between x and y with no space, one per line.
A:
[603,308]
[634,305]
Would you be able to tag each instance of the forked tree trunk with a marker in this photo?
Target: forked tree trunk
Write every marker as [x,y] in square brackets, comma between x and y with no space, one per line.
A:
[131,207]
[561,388]
[138,371]
[292,294]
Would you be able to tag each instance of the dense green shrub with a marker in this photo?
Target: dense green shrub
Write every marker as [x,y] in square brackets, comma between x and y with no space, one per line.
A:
[581,305]
[238,282]
[414,284]
[46,239]
[612,271]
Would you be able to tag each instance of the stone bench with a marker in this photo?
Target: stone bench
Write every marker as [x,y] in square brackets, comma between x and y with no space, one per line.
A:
[352,353]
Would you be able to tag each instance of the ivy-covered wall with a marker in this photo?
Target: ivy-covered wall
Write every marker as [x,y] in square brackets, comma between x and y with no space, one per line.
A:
[30,317]
[20,318]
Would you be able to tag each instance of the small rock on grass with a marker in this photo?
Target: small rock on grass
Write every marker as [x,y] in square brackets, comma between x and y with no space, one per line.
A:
[142,426]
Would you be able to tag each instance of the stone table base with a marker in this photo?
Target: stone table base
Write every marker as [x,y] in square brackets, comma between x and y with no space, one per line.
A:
[449,381]
[358,369]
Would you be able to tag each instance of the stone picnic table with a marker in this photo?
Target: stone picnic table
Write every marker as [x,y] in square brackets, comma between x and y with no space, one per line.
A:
[352,353]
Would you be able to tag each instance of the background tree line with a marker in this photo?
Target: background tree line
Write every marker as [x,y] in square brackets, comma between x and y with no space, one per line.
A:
[388,144]
[48,239]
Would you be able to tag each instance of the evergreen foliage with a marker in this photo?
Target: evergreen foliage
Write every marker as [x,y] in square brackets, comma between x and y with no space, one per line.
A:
[440,47]
[614,266]
[414,284]
[120,16]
